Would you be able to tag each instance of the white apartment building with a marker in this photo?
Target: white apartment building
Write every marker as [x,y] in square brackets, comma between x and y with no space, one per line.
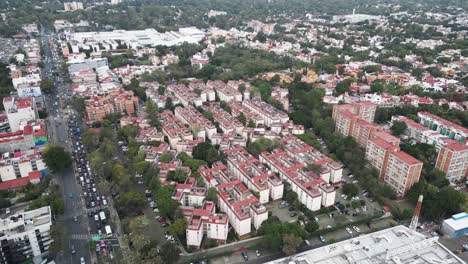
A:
[269,113]
[25,235]
[207,94]
[20,111]
[200,126]
[225,93]
[255,175]
[242,207]
[312,191]
[330,170]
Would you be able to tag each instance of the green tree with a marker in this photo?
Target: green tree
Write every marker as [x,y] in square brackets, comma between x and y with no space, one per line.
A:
[169,253]
[398,128]
[212,194]
[166,157]
[290,244]
[56,158]
[47,86]
[205,151]
[178,227]
[350,189]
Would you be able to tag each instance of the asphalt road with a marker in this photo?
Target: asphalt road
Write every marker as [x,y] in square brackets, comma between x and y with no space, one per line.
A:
[77,234]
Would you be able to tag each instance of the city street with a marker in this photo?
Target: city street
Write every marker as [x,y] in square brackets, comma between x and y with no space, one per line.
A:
[77,234]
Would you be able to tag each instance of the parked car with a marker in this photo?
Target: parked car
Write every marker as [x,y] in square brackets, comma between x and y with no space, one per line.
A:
[245,256]
[257,253]
[356,229]
[349,230]
[322,239]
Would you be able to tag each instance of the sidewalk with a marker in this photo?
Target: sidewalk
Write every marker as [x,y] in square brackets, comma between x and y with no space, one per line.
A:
[220,250]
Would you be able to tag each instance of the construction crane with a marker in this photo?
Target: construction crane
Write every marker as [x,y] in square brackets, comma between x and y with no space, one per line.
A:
[417,211]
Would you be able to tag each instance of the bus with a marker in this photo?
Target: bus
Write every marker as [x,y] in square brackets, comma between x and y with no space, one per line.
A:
[108,231]
[102,215]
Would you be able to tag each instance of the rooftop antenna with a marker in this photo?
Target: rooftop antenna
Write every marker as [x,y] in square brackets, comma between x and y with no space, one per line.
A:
[417,212]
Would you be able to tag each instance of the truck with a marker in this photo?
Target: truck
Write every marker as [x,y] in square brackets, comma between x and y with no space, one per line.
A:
[102,215]
[108,231]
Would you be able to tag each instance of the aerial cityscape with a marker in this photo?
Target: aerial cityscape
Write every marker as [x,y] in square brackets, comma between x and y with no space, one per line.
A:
[234,131]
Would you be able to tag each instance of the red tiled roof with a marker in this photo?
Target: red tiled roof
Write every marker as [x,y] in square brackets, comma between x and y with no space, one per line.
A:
[406,158]
[35,175]
[457,146]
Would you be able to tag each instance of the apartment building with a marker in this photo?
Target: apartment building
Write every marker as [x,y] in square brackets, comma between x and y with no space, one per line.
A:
[402,171]
[207,94]
[312,191]
[72,6]
[453,161]
[237,108]
[152,93]
[226,121]
[227,141]
[185,95]
[225,93]
[25,235]
[330,170]
[362,131]
[243,208]
[200,214]
[377,153]
[344,123]
[20,111]
[237,86]
[28,136]
[118,101]
[281,95]
[200,126]
[444,127]
[414,129]
[266,111]
[255,175]
[288,128]
[21,167]
[364,110]
[173,128]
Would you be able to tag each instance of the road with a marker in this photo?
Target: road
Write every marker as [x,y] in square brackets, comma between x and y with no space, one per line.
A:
[77,232]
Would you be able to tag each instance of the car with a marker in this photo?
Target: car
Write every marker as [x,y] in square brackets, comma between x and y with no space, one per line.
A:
[257,253]
[161,219]
[293,214]
[316,219]
[307,242]
[156,210]
[349,230]
[356,229]
[322,239]
[364,208]
[99,232]
[164,224]
[350,176]
[75,218]
[290,209]
[96,217]
[104,202]
[245,255]
[70,195]
[82,261]
[98,248]
[73,251]
[140,182]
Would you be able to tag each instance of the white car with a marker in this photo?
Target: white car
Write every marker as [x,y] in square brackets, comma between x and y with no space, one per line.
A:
[356,229]
[349,230]
[82,261]
[96,217]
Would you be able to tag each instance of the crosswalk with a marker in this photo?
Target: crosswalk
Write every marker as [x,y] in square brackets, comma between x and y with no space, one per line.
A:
[80,237]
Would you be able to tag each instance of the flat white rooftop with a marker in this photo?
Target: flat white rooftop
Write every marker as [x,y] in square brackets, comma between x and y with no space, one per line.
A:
[396,245]
[458,221]
[147,37]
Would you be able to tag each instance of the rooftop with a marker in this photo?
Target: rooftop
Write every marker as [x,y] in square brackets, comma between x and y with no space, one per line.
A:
[399,245]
